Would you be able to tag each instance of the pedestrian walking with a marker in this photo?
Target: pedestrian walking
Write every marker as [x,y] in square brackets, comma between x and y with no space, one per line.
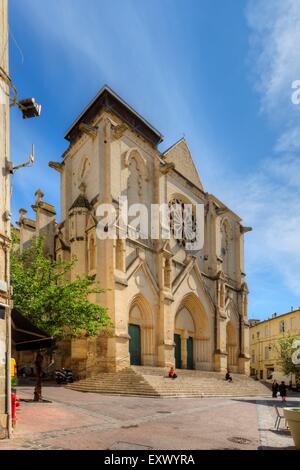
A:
[282,391]
[274,389]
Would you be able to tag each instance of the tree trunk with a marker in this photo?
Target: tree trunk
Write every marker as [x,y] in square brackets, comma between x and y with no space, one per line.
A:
[38,387]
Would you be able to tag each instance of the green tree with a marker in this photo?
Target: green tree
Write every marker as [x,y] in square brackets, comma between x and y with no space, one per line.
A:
[42,293]
[287,351]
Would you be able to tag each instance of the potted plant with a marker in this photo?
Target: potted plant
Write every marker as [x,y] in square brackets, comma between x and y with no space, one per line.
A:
[292,415]
[289,359]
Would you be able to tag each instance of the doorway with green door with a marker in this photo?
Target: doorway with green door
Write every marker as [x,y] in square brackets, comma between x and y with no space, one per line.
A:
[183,339]
[135,352]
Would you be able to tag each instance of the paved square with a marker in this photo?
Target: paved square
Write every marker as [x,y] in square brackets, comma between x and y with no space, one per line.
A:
[76,420]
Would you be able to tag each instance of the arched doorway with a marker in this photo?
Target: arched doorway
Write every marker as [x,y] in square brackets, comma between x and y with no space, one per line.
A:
[141,333]
[192,344]
[183,338]
[232,349]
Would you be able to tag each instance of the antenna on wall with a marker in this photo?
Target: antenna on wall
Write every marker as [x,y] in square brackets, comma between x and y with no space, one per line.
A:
[29,162]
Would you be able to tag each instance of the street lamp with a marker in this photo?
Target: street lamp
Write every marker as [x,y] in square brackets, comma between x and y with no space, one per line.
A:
[29,107]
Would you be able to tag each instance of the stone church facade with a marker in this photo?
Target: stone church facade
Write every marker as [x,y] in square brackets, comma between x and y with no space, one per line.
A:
[169,306]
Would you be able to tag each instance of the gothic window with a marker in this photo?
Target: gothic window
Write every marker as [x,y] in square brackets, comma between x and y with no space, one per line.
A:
[134,188]
[182,222]
[225,245]
[84,169]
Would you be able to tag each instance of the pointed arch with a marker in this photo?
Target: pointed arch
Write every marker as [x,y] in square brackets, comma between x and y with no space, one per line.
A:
[226,245]
[135,154]
[198,313]
[140,315]
[192,335]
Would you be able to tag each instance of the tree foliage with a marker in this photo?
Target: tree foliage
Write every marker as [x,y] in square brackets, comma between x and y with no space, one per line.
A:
[285,351]
[42,293]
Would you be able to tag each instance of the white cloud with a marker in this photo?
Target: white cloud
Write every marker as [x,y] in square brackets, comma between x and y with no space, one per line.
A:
[269,198]
[275,40]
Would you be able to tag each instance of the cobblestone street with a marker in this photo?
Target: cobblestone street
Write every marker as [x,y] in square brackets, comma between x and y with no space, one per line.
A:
[73,420]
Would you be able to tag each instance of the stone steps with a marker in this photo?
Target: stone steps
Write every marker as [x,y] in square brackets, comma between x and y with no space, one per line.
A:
[152,382]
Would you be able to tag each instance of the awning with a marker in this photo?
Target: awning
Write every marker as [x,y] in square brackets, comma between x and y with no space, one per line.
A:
[27,336]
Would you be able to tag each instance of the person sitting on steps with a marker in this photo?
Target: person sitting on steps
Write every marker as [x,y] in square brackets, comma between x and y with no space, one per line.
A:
[228,376]
[172,374]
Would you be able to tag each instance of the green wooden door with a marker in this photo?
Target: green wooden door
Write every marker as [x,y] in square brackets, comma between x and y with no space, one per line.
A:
[134,332]
[177,341]
[189,347]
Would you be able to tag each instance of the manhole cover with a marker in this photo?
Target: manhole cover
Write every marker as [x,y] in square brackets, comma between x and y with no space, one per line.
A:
[30,400]
[239,440]
[129,426]
[119,445]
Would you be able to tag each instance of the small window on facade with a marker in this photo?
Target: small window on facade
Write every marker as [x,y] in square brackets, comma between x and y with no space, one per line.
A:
[281,326]
[266,352]
[253,356]
[252,335]
[257,335]
[261,373]
[293,323]
[266,331]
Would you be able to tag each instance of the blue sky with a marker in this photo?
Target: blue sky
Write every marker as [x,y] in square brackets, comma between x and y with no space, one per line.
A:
[217,71]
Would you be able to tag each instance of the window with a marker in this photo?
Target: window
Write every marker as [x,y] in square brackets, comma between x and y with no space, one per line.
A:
[253,356]
[293,323]
[281,326]
[261,374]
[266,352]
[267,331]
[257,335]
[252,335]
[182,221]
